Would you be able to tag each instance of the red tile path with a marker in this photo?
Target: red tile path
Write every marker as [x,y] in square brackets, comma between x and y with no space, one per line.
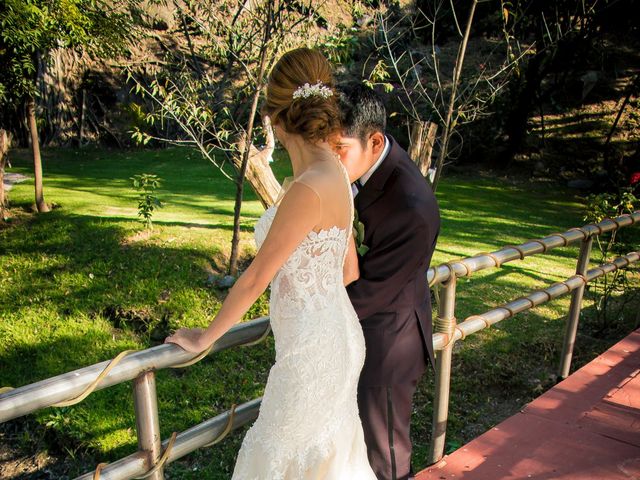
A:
[585,428]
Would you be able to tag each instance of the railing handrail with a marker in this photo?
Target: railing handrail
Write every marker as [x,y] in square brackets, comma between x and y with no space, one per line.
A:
[475,323]
[191,439]
[467,266]
[45,393]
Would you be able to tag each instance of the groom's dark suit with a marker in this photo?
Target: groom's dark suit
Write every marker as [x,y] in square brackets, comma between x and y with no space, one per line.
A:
[401,224]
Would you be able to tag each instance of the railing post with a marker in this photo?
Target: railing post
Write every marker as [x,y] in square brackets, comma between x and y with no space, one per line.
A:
[574,310]
[445,323]
[147,423]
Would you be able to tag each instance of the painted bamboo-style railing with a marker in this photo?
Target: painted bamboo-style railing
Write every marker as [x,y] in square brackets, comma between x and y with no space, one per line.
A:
[448,330]
[140,366]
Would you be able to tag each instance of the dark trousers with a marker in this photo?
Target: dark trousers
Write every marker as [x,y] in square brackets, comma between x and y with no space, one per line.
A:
[386,417]
[395,361]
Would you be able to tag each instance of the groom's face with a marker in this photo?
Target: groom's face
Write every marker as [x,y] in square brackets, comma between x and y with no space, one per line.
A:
[358,156]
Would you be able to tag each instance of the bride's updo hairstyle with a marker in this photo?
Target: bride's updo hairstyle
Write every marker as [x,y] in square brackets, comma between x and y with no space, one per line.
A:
[301,97]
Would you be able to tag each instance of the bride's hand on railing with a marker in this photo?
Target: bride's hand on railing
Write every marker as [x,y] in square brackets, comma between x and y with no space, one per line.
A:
[189,339]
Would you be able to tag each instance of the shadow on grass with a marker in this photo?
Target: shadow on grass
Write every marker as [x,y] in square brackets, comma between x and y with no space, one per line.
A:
[497,277]
[82,264]
[244,227]
[108,173]
[494,207]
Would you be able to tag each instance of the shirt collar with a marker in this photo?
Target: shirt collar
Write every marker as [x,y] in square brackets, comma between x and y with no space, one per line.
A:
[385,151]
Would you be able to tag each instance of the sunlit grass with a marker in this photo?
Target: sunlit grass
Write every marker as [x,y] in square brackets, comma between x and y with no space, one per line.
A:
[82,283]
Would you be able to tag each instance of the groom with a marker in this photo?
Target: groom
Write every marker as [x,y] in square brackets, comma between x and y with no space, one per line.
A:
[401,223]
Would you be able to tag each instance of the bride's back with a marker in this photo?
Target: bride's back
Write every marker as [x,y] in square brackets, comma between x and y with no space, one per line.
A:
[329,181]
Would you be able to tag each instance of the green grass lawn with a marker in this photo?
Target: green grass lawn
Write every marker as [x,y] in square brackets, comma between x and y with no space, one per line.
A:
[83,282]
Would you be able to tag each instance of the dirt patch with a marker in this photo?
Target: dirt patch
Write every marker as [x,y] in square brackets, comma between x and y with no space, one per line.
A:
[14,465]
[20,438]
[14,217]
[140,236]
[142,322]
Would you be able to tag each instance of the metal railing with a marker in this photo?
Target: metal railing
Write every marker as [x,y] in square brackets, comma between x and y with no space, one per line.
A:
[140,366]
[448,330]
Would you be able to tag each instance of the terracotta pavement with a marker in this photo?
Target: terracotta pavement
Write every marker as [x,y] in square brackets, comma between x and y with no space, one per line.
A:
[587,427]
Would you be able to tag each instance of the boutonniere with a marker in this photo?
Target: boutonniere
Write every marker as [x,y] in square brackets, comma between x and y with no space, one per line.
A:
[358,235]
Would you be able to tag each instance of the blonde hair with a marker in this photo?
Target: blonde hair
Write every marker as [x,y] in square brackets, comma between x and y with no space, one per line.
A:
[314,117]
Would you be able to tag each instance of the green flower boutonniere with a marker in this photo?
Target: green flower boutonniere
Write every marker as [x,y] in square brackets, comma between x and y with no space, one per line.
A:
[358,235]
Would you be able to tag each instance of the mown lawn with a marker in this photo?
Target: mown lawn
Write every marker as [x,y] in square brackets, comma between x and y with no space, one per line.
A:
[83,282]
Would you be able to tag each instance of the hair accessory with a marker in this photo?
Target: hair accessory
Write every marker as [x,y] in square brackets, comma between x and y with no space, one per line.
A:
[316,90]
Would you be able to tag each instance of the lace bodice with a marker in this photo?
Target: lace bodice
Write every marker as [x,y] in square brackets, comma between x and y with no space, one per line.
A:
[311,279]
[308,279]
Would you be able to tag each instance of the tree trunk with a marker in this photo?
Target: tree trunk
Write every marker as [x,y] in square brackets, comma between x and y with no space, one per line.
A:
[83,108]
[448,124]
[37,161]
[235,241]
[5,143]
[423,137]
[259,173]
[516,124]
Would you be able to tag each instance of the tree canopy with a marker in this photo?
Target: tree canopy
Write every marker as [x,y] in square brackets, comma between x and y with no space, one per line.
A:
[35,27]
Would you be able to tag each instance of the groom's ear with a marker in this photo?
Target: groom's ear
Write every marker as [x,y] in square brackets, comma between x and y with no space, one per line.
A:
[376,142]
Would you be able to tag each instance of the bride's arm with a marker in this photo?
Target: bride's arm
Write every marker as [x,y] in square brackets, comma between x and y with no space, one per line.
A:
[297,215]
[351,270]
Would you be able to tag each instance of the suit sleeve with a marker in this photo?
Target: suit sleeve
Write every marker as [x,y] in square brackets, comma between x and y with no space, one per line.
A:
[390,263]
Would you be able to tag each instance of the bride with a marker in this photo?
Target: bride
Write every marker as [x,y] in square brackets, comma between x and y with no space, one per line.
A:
[308,427]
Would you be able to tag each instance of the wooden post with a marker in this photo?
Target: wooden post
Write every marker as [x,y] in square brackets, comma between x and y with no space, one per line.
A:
[445,323]
[416,130]
[430,141]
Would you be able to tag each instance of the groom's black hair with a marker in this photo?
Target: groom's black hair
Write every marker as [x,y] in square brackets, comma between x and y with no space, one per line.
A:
[362,112]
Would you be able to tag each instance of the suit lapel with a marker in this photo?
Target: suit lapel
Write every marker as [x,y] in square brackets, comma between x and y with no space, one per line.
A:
[374,187]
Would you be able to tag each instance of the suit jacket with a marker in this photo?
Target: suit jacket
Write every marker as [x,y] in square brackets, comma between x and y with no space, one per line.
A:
[401,225]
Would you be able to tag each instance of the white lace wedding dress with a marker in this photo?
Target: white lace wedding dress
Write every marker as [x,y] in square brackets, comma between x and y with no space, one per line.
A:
[308,427]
